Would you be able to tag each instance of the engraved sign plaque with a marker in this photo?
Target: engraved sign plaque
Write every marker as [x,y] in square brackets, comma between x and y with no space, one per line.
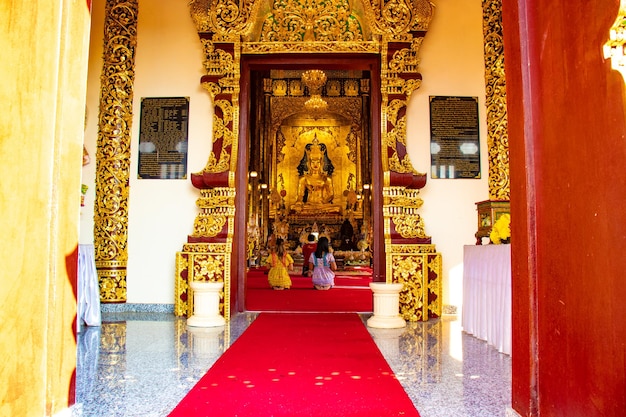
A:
[454,139]
[163,138]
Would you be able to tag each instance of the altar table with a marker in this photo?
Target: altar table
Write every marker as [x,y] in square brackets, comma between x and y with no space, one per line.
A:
[487,294]
[88,303]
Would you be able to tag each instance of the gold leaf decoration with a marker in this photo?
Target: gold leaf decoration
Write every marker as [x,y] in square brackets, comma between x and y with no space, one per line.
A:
[497,120]
[113,149]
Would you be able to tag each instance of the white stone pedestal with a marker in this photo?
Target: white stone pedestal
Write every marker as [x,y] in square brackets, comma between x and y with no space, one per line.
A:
[206,304]
[386,306]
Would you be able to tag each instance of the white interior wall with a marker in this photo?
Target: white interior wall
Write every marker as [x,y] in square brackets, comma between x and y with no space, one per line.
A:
[451,64]
[169,63]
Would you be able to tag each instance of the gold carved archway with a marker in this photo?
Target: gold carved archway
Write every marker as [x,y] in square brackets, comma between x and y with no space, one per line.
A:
[394,30]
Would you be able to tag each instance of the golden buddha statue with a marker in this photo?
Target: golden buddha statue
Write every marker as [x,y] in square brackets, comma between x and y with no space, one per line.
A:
[315,186]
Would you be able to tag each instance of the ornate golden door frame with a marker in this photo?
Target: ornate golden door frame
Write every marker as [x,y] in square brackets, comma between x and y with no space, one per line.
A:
[367,63]
[393,31]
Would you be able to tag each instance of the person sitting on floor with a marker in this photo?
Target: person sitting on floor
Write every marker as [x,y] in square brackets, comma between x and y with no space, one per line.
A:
[323,265]
[307,249]
[280,263]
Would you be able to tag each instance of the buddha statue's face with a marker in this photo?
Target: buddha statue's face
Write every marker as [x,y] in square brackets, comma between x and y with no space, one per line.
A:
[316,164]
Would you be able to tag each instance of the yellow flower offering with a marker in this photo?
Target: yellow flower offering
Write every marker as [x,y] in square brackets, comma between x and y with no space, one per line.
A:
[501,230]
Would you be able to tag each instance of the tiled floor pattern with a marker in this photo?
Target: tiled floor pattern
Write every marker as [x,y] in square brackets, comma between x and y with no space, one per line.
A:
[143,364]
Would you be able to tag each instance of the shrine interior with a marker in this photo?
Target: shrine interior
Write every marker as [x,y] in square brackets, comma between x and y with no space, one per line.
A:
[310,162]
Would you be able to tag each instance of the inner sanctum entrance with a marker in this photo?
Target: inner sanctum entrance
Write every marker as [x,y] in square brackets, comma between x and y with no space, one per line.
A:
[311,167]
[294,152]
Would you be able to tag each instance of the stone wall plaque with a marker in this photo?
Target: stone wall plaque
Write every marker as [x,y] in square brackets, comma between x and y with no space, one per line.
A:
[163,134]
[454,139]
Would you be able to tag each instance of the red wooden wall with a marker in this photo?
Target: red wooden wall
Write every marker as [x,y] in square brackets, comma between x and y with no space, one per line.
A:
[568,202]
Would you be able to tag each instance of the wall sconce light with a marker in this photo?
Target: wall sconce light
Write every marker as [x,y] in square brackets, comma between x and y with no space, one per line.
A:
[366,186]
[253,174]
[263,186]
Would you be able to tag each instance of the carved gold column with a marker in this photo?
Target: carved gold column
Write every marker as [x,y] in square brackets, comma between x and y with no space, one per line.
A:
[113,148]
[207,254]
[411,258]
[497,125]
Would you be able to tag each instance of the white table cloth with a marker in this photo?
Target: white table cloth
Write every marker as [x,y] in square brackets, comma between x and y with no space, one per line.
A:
[486,310]
[88,309]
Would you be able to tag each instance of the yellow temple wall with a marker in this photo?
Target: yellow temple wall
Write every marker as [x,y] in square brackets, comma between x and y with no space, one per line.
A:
[42,90]
[169,63]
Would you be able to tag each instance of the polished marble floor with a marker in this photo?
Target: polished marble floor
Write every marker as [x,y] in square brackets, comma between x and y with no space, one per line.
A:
[143,364]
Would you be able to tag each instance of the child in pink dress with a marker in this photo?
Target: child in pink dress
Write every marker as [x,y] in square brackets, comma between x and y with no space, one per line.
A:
[323,265]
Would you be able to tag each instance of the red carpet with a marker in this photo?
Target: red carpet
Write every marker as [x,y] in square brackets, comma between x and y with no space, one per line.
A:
[300,365]
[350,294]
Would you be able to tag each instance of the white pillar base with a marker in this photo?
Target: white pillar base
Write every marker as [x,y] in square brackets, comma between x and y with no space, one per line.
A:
[386,306]
[206,304]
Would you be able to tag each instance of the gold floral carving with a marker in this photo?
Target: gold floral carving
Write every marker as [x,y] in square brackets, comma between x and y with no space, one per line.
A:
[409,226]
[198,265]
[400,206]
[408,270]
[112,283]
[421,275]
[311,21]
[497,122]
[207,261]
[396,18]
[413,249]
[205,247]
[208,267]
[317,47]
[208,225]
[225,18]
[223,125]
[113,149]
[222,83]
[405,61]
[434,285]
[217,206]
[400,197]
[217,61]
[402,166]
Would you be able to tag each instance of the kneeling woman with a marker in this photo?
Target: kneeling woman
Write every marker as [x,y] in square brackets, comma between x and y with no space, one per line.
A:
[280,263]
[323,265]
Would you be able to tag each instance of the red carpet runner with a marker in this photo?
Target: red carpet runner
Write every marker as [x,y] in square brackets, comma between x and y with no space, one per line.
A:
[350,294]
[313,365]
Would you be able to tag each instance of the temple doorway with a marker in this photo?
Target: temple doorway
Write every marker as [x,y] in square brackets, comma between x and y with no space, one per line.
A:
[311,161]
